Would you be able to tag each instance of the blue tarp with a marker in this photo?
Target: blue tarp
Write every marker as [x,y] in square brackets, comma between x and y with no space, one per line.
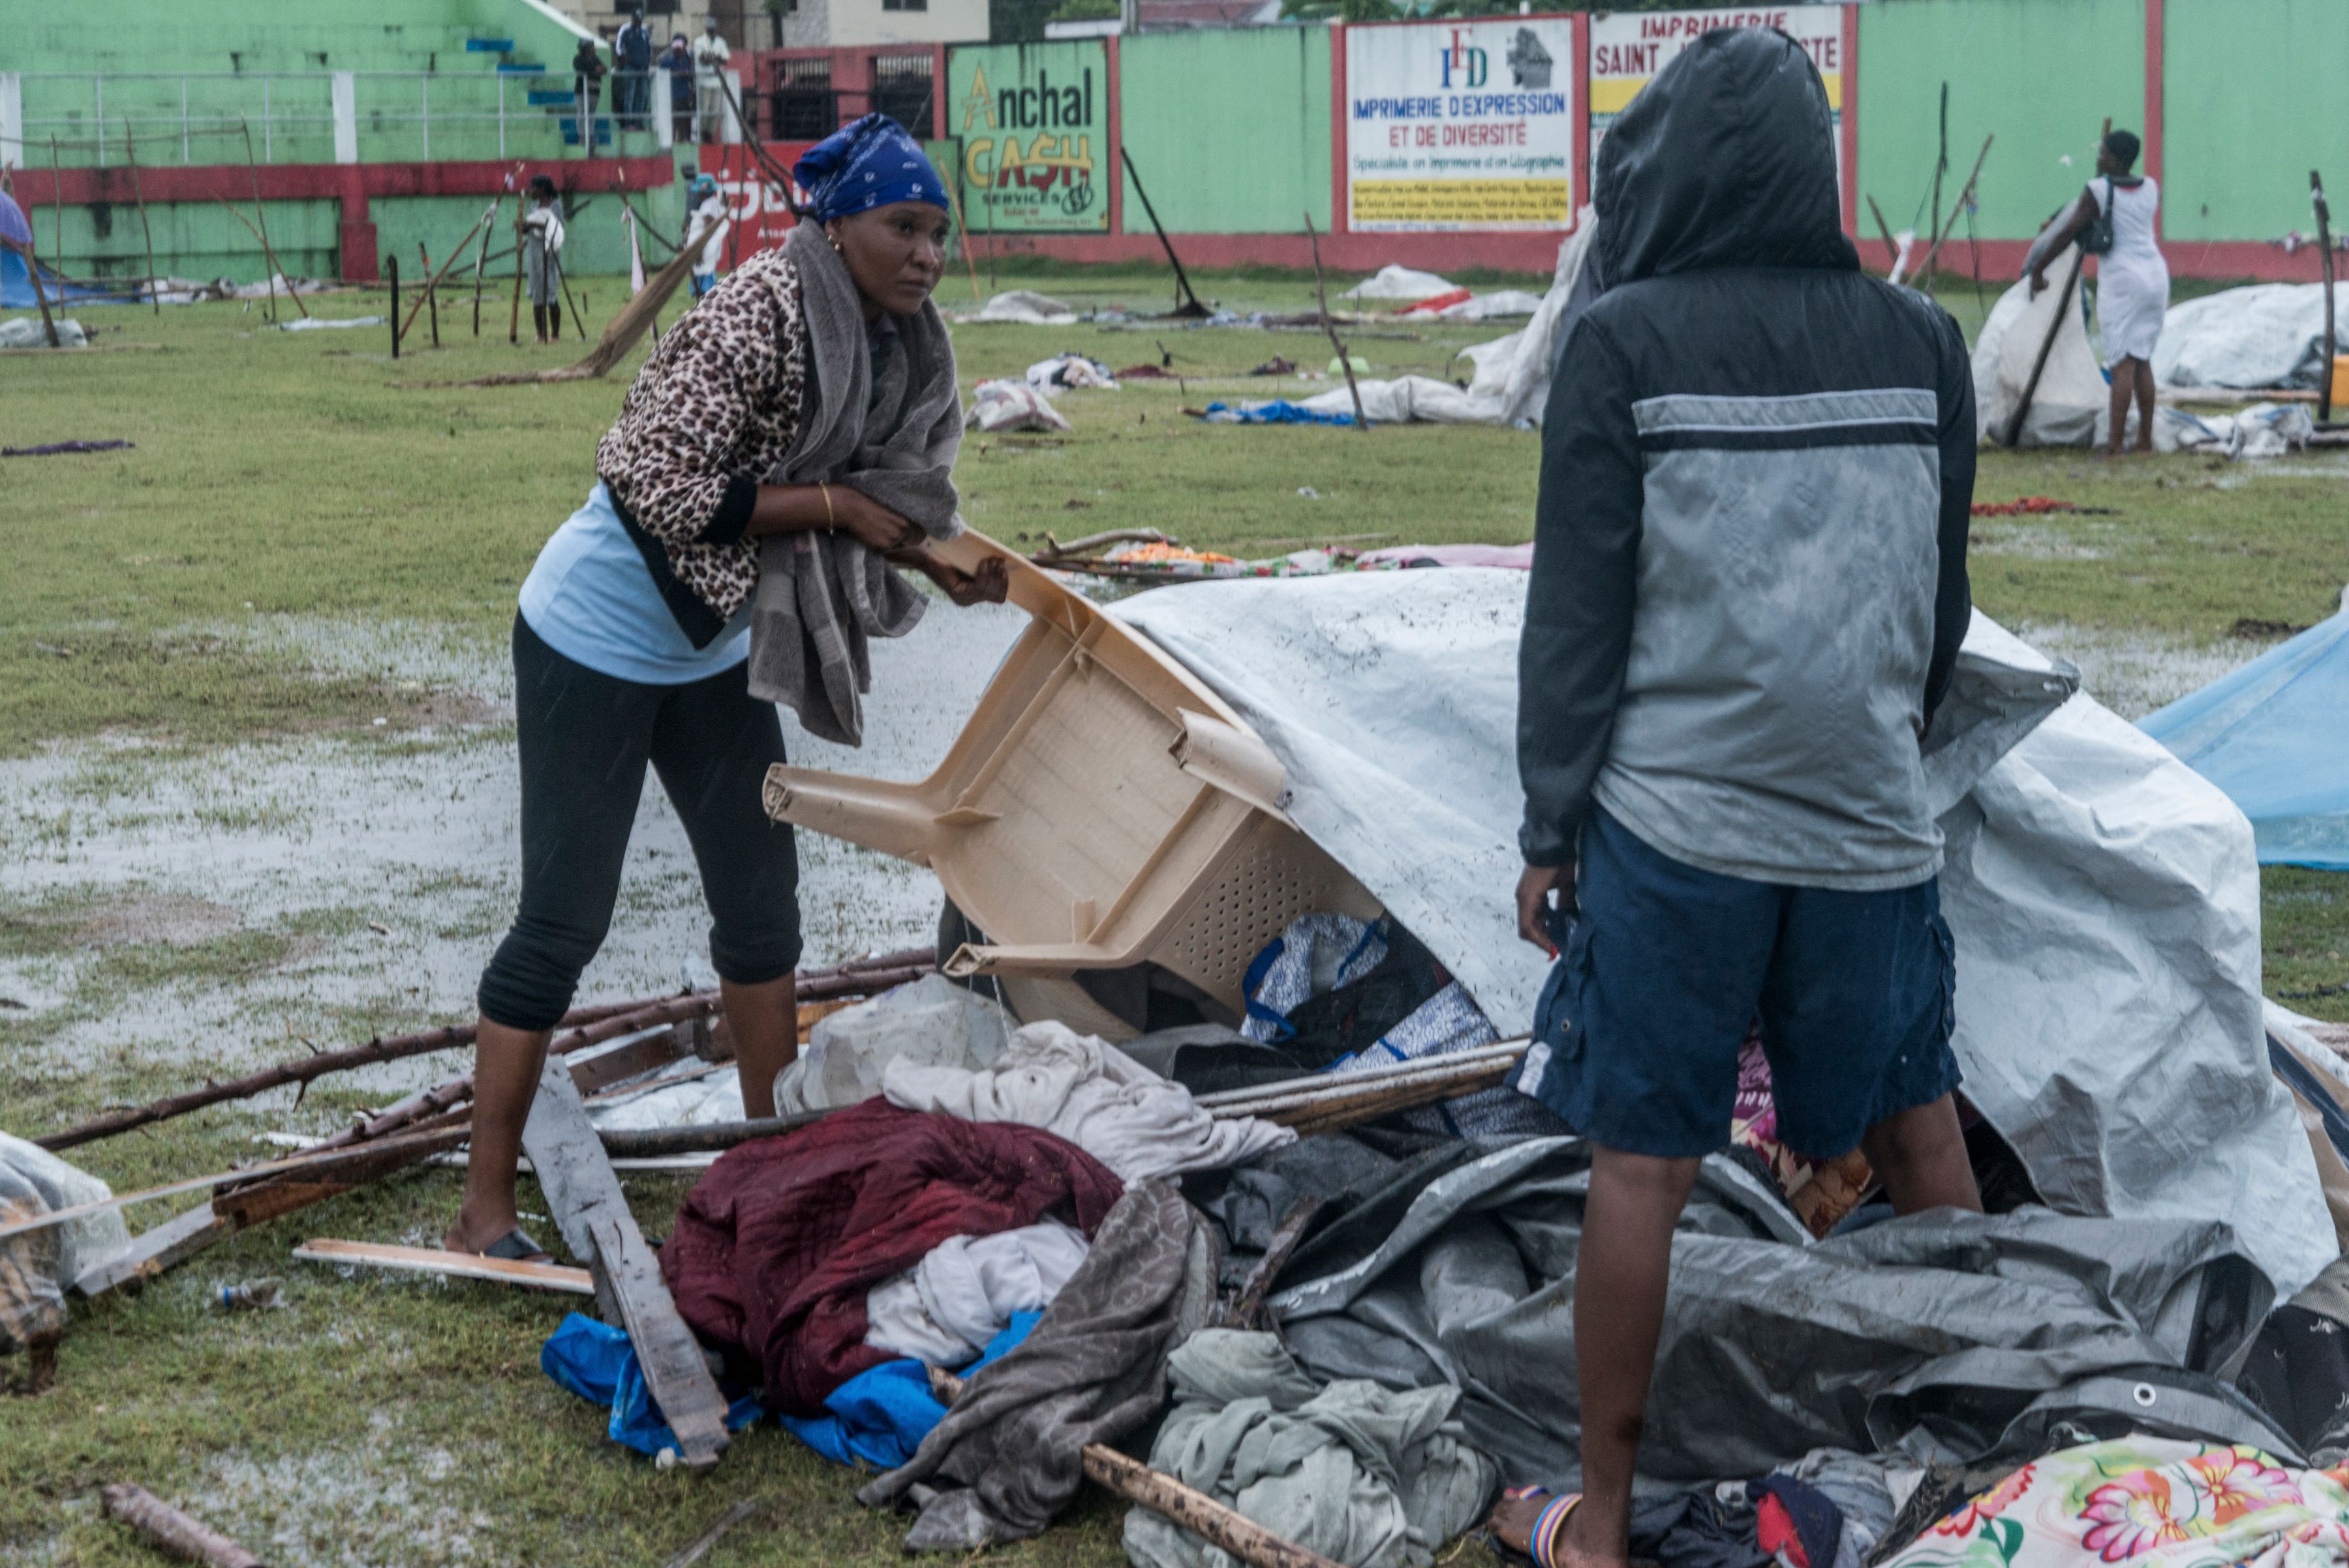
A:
[1279,411]
[2274,735]
[595,1361]
[16,288]
[880,1416]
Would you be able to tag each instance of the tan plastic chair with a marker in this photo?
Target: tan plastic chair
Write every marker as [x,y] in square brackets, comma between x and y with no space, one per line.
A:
[1102,808]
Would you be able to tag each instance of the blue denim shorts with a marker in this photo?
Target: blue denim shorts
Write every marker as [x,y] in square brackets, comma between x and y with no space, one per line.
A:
[1666,967]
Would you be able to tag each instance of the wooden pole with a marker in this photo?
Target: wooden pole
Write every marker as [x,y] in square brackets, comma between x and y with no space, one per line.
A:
[1965,192]
[513,313]
[258,212]
[2054,325]
[2331,342]
[130,145]
[1345,360]
[1940,167]
[172,1531]
[963,228]
[1241,1309]
[392,263]
[432,279]
[431,295]
[1187,303]
[482,259]
[57,211]
[699,1546]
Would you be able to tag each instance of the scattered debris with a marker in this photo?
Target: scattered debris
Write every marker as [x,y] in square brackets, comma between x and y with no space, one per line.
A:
[253,1295]
[700,1545]
[1393,281]
[1023,307]
[1000,406]
[552,1277]
[24,332]
[2033,505]
[1068,369]
[1276,366]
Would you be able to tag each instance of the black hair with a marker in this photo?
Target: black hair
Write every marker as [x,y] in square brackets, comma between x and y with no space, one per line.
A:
[541,185]
[2123,145]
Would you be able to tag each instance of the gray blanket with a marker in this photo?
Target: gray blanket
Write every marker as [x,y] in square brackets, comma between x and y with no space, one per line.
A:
[1093,1369]
[1949,1336]
[886,420]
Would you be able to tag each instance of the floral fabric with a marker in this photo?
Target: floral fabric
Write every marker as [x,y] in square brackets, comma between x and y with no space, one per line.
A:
[2149,1503]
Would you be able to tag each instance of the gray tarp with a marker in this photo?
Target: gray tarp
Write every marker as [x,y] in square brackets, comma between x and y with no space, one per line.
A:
[2103,896]
[1944,1329]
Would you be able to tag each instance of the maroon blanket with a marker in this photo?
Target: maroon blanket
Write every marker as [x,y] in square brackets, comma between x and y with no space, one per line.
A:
[778,1244]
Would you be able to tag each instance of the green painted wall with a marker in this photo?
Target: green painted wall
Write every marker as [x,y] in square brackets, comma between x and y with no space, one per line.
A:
[2040,74]
[1230,130]
[2252,100]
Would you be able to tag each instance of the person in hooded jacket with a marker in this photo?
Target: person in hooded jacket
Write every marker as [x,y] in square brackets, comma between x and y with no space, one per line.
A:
[1747,596]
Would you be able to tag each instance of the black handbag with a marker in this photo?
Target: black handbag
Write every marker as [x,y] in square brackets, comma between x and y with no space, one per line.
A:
[2097,233]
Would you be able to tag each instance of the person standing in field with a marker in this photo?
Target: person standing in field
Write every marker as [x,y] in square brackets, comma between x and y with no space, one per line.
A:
[1747,602]
[710,54]
[2114,219]
[804,418]
[540,231]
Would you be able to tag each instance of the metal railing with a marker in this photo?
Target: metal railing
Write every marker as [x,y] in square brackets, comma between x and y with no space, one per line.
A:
[102,119]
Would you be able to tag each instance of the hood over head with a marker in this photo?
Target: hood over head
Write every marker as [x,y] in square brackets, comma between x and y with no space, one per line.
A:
[1725,159]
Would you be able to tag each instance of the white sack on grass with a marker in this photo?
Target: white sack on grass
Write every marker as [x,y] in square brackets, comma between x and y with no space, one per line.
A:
[1393,282]
[2072,388]
[2261,335]
[2262,429]
[932,1022]
[2104,898]
[945,1310]
[1512,373]
[1024,307]
[997,405]
[26,332]
[1487,307]
[1101,1099]
[90,1240]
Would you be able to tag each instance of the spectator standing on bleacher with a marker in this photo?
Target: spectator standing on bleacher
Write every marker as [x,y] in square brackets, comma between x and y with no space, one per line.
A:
[711,55]
[587,85]
[678,63]
[632,58]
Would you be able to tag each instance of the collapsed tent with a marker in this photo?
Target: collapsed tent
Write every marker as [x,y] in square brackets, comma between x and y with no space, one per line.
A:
[2071,390]
[17,286]
[2261,335]
[2104,898]
[2274,736]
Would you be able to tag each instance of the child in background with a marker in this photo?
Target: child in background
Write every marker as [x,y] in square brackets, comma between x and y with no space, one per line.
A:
[541,228]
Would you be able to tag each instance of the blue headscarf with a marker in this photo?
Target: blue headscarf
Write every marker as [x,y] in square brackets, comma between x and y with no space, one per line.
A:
[868,163]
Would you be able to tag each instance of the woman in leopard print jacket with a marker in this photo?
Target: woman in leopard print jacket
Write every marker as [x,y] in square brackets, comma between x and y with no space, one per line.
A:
[632,641]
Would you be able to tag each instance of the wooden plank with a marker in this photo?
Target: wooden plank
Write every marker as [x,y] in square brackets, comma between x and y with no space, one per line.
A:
[585,1197]
[153,1252]
[453,1265]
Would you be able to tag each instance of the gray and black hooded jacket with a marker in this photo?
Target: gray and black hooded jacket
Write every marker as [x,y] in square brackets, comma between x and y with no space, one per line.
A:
[1749,579]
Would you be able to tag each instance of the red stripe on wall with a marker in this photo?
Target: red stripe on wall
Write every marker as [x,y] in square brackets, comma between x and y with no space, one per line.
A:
[1849,129]
[1340,162]
[2154,104]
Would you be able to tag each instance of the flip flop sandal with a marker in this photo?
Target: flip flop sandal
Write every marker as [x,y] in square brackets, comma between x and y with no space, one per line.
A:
[516,1246]
[1543,1538]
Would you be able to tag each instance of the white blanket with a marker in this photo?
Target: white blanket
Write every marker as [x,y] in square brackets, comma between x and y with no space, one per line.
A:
[946,1309]
[1095,1096]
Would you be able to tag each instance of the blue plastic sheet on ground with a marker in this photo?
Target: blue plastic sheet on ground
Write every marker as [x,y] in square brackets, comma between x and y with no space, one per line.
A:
[16,287]
[595,1361]
[1279,411]
[880,1416]
[2274,735]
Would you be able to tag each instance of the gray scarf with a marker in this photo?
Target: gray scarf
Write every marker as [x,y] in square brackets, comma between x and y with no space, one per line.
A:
[892,435]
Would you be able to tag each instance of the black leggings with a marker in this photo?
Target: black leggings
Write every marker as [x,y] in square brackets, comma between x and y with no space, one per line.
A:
[585,738]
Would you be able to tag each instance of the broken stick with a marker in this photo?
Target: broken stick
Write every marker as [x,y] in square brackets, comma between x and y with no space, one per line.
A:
[699,1546]
[1345,360]
[552,1277]
[172,1531]
[1241,1309]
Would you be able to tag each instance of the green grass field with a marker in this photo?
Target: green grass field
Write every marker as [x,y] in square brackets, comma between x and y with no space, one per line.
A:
[298,479]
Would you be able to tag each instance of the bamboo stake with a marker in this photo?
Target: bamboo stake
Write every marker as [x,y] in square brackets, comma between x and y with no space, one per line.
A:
[1241,1309]
[1345,360]
[172,1531]
[276,271]
[2331,342]
[40,295]
[431,299]
[2054,325]
[432,278]
[969,259]
[1186,302]
[482,259]
[130,145]
[1933,256]
[620,334]
[514,313]
[1891,246]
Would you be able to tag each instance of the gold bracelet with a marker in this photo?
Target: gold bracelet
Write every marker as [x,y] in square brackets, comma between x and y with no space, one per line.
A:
[829,521]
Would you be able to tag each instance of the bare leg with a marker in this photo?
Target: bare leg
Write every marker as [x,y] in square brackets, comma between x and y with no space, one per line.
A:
[765,1022]
[2143,369]
[1619,1278]
[1921,1154]
[2119,406]
[506,1066]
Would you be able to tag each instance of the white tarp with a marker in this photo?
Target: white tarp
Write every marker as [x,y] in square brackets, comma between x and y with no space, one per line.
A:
[2072,391]
[2261,335]
[1395,281]
[2105,898]
[1512,373]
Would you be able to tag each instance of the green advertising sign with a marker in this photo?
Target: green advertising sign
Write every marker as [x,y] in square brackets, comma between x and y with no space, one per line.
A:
[1033,120]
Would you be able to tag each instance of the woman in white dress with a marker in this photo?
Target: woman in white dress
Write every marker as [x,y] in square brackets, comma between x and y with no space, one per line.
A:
[2131,279]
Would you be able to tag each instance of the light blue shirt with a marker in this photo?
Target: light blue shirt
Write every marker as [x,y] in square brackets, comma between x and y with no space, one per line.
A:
[591,599]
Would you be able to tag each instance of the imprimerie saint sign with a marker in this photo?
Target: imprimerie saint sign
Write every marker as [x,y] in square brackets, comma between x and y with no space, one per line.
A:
[1461,125]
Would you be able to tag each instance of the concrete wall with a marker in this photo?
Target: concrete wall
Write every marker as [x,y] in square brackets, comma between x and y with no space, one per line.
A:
[2040,74]
[2253,96]
[1230,130]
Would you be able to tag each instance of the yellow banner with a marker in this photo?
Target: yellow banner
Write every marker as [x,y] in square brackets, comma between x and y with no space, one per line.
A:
[1546,203]
[1613,94]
